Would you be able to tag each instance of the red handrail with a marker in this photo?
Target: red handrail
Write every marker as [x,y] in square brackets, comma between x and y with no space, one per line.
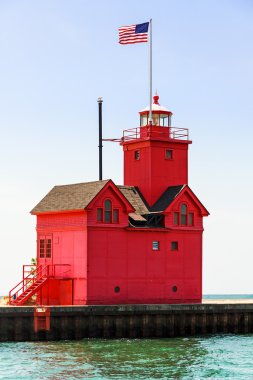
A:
[171,132]
[37,274]
[40,271]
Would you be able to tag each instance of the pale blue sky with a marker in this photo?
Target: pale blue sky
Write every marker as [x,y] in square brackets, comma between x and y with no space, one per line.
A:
[58,57]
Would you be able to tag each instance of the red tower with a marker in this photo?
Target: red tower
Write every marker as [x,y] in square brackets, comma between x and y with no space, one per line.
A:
[155,155]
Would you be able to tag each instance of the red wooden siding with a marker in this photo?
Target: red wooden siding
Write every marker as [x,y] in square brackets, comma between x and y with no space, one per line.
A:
[153,173]
[126,259]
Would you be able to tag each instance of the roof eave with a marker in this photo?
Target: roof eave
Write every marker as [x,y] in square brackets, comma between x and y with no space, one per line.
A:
[47,212]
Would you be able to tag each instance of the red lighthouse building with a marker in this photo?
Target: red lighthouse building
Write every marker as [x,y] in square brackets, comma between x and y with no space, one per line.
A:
[99,243]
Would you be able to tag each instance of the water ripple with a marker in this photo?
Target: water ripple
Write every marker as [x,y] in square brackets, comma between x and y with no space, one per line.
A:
[215,357]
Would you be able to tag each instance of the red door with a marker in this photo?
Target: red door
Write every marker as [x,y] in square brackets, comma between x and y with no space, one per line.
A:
[45,251]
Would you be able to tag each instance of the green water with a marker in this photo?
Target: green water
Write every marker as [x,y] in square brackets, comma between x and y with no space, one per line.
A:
[215,357]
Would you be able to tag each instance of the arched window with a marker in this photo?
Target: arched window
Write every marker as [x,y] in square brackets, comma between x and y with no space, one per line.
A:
[183,215]
[108,211]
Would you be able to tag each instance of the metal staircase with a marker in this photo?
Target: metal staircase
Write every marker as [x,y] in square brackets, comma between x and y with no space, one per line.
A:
[30,285]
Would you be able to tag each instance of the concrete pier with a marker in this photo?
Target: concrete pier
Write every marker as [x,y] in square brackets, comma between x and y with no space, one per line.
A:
[123,321]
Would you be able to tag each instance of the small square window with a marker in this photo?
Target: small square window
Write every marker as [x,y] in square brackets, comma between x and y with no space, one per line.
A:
[174,245]
[155,245]
[168,154]
[137,155]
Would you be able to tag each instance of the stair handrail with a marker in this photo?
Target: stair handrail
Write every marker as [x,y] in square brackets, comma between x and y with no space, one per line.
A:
[37,274]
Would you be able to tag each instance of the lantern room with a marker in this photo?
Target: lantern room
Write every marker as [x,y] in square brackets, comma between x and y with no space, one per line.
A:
[160,115]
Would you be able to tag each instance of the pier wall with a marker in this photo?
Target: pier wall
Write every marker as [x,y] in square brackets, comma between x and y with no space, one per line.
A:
[123,321]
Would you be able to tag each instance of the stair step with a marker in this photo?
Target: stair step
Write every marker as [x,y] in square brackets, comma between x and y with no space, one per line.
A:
[29,292]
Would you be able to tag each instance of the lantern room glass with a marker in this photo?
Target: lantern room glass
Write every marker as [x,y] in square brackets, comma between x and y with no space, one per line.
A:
[159,119]
[144,120]
[164,120]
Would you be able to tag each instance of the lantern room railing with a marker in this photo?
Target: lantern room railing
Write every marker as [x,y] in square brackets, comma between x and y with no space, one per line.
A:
[152,131]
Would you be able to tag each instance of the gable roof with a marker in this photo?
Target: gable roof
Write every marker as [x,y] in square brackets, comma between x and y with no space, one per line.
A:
[69,197]
[167,198]
[79,196]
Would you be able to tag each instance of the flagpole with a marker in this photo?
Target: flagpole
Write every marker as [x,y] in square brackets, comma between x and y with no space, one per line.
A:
[150,71]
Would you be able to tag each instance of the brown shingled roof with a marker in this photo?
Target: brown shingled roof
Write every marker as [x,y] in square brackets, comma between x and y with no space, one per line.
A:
[78,196]
[69,197]
[134,197]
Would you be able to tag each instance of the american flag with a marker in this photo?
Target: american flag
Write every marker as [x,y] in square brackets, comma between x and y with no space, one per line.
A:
[133,34]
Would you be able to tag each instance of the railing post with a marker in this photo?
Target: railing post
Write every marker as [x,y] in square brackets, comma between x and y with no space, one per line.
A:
[23,278]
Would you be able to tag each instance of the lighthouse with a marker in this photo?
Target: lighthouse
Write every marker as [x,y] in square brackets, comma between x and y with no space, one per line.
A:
[99,243]
[158,157]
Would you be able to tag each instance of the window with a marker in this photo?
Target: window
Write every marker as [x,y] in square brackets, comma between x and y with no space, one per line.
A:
[164,120]
[42,248]
[174,245]
[184,218]
[48,247]
[155,119]
[107,211]
[100,215]
[168,154]
[137,155]
[183,215]
[115,215]
[176,218]
[155,245]
[107,214]
[144,120]
[190,219]
[45,248]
